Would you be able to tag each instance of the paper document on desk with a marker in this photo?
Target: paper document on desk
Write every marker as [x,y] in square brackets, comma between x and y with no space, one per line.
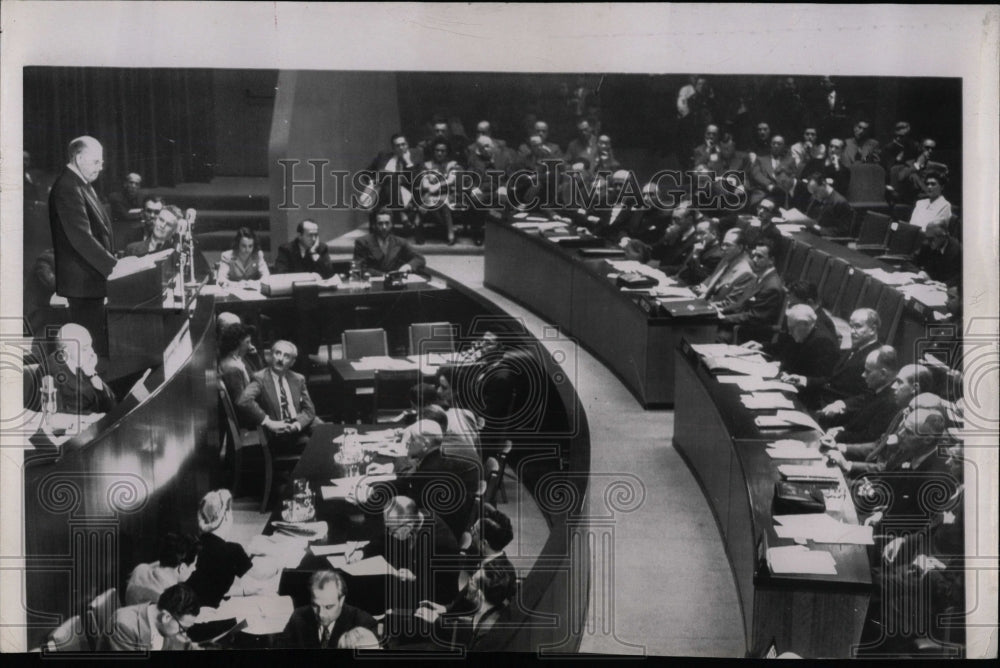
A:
[382,363]
[721,350]
[799,418]
[352,481]
[891,277]
[412,278]
[798,559]
[931,296]
[821,528]
[668,292]
[762,401]
[379,436]
[809,473]
[793,215]
[747,366]
[755,384]
[339,548]
[372,566]
[791,449]
[264,615]
[331,492]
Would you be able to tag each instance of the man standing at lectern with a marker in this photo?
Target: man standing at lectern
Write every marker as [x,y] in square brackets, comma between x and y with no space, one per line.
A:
[82,240]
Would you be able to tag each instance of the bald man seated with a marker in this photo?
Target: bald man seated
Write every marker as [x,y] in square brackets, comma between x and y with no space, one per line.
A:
[864,417]
[73,367]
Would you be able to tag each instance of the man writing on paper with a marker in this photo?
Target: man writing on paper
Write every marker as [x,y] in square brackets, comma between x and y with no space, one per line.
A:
[277,399]
[320,624]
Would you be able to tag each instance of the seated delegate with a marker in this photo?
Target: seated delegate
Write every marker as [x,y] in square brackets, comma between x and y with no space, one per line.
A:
[382,251]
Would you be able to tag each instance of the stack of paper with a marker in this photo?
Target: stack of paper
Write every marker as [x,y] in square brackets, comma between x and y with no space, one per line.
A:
[748,366]
[891,277]
[285,551]
[667,292]
[308,530]
[766,401]
[800,419]
[929,295]
[794,216]
[791,449]
[372,566]
[798,559]
[380,436]
[382,363]
[821,528]
[755,384]
[809,473]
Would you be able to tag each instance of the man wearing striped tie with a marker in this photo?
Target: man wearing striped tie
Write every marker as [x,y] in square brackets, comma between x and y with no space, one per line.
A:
[277,399]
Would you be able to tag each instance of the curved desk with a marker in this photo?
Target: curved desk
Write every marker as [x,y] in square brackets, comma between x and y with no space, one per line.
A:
[815,616]
[576,294]
[99,506]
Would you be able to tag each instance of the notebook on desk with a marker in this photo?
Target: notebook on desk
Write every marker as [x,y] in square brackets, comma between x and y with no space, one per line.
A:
[687,308]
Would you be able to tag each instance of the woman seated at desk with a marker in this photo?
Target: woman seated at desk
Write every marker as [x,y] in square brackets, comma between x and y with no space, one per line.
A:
[245,261]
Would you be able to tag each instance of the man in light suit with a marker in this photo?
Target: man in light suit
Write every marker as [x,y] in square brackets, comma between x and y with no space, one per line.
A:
[762,173]
[383,251]
[83,240]
[731,282]
[277,399]
[156,626]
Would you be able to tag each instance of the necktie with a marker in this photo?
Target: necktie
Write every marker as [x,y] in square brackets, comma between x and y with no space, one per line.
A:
[283,396]
[325,637]
[714,280]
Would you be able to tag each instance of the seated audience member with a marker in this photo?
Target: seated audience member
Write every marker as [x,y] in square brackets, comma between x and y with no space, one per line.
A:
[808,149]
[322,623]
[441,132]
[805,351]
[760,312]
[730,171]
[483,129]
[152,205]
[762,226]
[491,166]
[761,144]
[611,216]
[940,256]
[126,204]
[672,250]
[482,604]
[382,251]
[422,549]
[585,143]
[277,399]
[73,367]
[358,638]
[223,567]
[804,292]
[763,177]
[909,383]
[705,255]
[461,437]
[708,150]
[934,208]
[162,625]
[162,236]
[394,193]
[899,149]
[234,345]
[548,149]
[178,555]
[436,189]
[832,167]
[305,253]
[731,282]
[538,175]
[605,160]
[432,468]
[789,192]
[860,147]
[864,417]
[575,183]
[828,208]
[846,378]
[908,180]
[244,261]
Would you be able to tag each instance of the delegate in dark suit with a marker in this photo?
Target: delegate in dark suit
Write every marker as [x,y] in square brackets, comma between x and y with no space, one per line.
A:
[867,417]
[730,284]
[84,252]
[832,215]
[302,630]
[943,264]
[396,253]
[459,475]
[846,379]
[812,359]
[75,394]
[293,259]
[700,264]
[758,316]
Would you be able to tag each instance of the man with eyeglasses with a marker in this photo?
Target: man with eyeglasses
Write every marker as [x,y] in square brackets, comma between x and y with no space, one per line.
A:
[730,284]
[157,626]
[860,147]
[909,180]
[846,379]
[809,148]
[126,207]
[151,207]
[833,166]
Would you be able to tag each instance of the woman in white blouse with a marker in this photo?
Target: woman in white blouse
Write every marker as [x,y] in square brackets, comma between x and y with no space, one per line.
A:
[245,261]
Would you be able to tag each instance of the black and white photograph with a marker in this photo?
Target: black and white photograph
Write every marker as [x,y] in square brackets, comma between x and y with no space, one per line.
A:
[498,332]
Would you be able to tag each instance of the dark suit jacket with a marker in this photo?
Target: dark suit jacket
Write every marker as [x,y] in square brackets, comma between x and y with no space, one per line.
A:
[845,380]
[813,359]
[74,392]
[833,215]
[368,252]
[866,420]
[434,470]
[699,265]
[260,400]
[302,630]
[945,267]
[799,198]
[290,261]
[81,237]
[909,499]
[762,309]
[841,177]
[672,250]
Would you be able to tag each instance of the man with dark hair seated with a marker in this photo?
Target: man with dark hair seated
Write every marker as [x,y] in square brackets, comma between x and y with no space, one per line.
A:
[672,250]
[162,235]
[940,257]
[828,208]
[790,192]
[758,316]
[863,417]
[320,624]
[704,256]
[178,554]
[382,251]
[163,625]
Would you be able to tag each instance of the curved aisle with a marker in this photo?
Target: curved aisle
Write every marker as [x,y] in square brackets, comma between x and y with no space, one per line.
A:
[672,590]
